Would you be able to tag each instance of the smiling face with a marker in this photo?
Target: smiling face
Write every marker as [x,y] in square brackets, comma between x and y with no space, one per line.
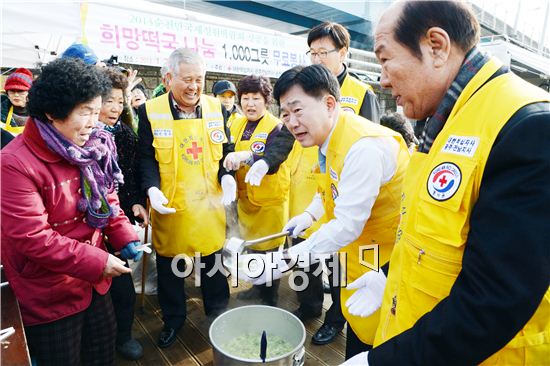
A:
[334,58]
[78,125]
[186,86]
[418,85]
[253,106]
[112,107]
[138,98]
[309,119]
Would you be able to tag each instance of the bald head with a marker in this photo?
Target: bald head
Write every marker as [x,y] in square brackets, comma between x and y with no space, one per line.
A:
[409,21]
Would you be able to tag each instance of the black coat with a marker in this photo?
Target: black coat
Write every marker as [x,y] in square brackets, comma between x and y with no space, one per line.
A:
[129,193]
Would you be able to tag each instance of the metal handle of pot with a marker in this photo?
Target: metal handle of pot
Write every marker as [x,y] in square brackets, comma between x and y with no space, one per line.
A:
[299,358]
[268,238]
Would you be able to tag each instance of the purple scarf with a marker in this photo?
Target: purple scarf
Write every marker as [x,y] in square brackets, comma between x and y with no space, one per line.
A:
[99,171]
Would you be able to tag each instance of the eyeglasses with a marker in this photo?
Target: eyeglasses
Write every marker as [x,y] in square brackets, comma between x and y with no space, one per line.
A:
[322,54]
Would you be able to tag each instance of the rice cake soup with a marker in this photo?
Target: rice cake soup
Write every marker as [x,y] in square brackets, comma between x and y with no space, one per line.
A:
[248,346]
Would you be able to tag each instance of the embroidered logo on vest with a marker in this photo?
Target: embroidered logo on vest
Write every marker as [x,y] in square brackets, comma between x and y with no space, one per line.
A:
[444,181]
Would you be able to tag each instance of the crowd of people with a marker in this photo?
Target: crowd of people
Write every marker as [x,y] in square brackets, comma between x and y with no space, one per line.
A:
[456,212]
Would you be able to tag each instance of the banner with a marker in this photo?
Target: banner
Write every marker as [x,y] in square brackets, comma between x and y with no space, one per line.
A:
[147,38]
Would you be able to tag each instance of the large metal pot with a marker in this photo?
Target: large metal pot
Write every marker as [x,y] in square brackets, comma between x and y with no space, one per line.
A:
[255,319]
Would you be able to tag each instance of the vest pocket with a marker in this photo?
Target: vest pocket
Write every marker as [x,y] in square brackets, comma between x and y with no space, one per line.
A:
[164,150]
[447,221]
[431,276]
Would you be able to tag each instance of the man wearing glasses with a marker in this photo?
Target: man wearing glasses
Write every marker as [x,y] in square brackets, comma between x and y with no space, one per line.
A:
[328,45]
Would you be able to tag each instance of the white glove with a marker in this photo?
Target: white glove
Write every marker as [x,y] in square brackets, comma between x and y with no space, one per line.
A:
[257,172]
[158,200]
[260,269]
[368,297]
[229,189]
[234,160]
[300,224]
[361,359]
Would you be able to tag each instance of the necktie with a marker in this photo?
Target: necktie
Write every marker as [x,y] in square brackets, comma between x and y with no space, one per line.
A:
[322,162]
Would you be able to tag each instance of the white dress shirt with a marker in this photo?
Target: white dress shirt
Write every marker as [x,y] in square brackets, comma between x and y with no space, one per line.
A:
[370,163]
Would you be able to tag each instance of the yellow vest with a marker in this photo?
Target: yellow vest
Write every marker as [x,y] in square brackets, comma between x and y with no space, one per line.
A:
[439,192]
[262,210]
[303,162]
[188,152]
[14,130]
[381,226]
[352,94]
[232,118]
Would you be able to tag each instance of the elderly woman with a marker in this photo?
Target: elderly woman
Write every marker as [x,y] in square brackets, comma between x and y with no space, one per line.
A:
[131,202]
[58,203]
[262,210]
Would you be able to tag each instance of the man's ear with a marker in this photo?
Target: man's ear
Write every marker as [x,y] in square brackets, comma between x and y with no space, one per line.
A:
[168,77]
[49,116]
[439,45]
[331,103]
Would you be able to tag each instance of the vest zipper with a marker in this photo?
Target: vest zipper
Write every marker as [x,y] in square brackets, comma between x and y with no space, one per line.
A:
[421,252]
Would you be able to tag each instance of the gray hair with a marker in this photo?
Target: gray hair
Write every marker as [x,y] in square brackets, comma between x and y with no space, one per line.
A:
[186,56]
[164,70]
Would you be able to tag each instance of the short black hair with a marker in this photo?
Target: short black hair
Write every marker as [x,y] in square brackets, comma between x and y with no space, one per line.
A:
[398,123]
[142,88]
[255,84]
[336,32]
[455,17]
[62,85]
[315,80]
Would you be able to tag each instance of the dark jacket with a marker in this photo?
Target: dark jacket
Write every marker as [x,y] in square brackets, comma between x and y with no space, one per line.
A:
[506,261]
[370,109]
[129,193]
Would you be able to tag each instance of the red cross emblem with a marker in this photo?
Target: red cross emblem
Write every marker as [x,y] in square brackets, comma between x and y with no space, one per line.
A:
[194,150]
[443,181]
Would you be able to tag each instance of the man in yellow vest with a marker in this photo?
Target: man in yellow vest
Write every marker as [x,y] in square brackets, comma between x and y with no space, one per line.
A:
[468,279]
[361,166]
[183,141]
[328,45]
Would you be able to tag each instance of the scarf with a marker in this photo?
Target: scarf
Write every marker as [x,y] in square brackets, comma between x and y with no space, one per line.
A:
[99,171]
[473,62]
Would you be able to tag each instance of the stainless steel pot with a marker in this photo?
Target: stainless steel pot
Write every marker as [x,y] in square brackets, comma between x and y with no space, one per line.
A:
[255,319]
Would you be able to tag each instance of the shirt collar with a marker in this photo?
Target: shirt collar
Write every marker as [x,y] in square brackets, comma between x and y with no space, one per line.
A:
[181,114]
[324,146]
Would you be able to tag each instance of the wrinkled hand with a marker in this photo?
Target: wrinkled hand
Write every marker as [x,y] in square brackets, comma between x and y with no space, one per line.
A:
[300,223]
[115,267]
[361,359]
[234,160]
[140,211]
[158,200]
[260,269]
[130,252]
[368,297]
[229,189]
[257,172]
